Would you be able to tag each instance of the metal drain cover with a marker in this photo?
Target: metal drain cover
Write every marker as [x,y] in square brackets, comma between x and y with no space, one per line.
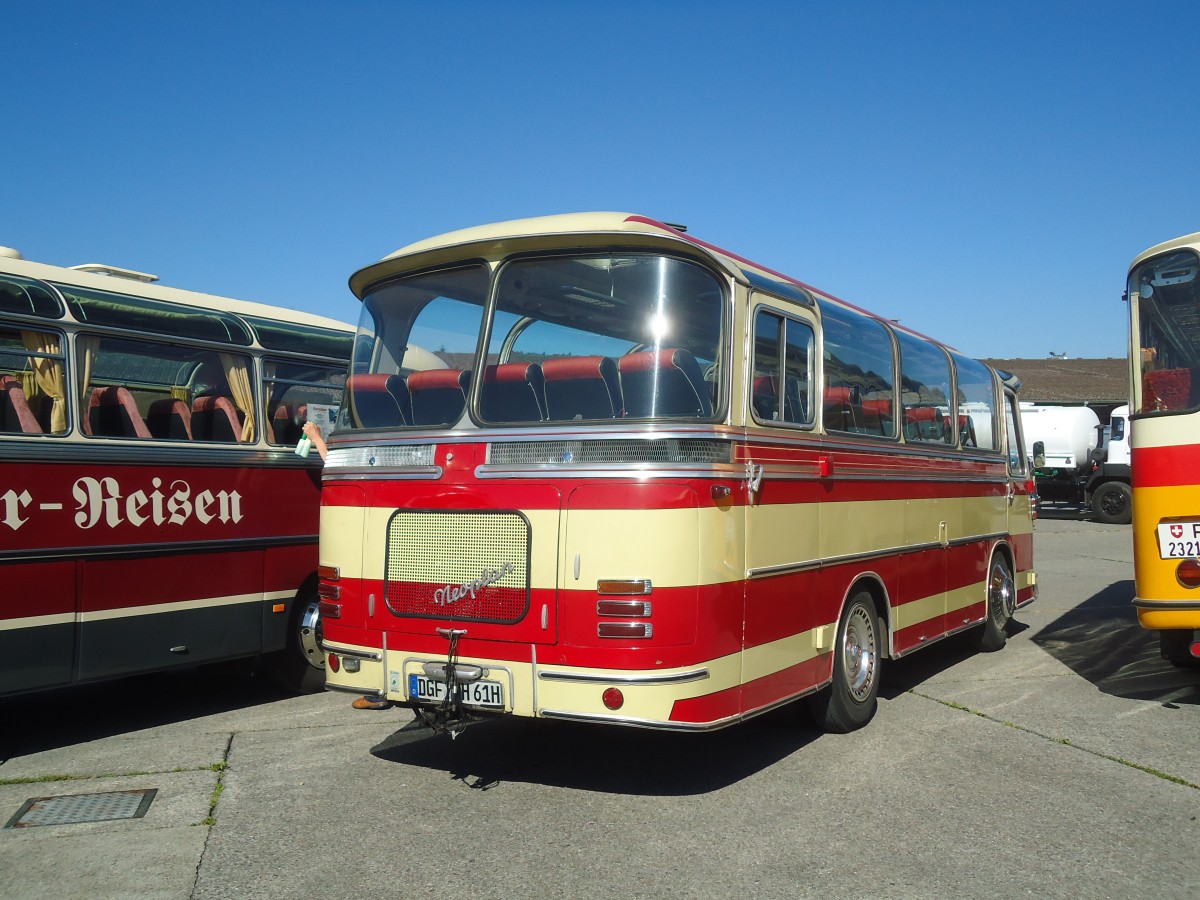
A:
[77,808]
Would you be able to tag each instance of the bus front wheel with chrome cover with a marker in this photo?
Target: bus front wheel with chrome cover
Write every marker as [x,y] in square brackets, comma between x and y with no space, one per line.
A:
[851,699]
[300,666]
[1001,604]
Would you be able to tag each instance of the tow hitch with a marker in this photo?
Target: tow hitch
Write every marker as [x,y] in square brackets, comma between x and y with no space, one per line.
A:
[450,716]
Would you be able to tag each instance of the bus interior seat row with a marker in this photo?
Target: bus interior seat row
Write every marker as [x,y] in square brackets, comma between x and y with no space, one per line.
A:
[846,411]
[1170,389]
[113,412]
[764,397]
[170,418]
[215,418]
[287,425]
[15,413]
[652,382]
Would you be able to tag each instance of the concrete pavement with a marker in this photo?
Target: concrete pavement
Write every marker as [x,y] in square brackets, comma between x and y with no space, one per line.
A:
[1065,765]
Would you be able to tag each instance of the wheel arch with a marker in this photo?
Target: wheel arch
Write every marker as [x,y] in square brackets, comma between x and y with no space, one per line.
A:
[1003,548]
[872,582]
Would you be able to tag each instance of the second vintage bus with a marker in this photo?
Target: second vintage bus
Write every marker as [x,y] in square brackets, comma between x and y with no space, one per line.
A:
[642,480]
[153,511]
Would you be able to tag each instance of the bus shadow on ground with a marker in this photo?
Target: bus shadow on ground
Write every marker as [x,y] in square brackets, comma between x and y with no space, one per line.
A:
[636,761]
[902,675]
[603,759]
[64,717]
[1102,641]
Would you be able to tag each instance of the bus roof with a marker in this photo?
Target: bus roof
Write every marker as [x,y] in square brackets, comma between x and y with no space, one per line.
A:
[136,287]
[601,229]
[1186,240]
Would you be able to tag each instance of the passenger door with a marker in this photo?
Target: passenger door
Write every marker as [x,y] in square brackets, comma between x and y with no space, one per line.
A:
[1020,487]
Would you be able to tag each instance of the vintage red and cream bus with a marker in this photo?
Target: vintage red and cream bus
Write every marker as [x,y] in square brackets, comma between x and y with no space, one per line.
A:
[153,510]
[646,481]
[1164,305]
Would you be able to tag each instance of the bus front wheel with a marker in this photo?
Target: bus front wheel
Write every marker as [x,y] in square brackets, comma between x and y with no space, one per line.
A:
[851,699]
[1001,604]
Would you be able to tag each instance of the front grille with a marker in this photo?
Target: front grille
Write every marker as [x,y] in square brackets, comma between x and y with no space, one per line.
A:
[470,566]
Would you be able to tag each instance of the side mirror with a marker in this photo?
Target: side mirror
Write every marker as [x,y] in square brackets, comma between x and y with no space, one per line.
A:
[1039,454]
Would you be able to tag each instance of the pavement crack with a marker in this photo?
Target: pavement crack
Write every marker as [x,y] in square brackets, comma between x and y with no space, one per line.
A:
[221,768]
[1065,742]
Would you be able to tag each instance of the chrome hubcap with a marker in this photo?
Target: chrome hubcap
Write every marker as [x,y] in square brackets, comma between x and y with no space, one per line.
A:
[860,656]
[310,635]
[1002,594]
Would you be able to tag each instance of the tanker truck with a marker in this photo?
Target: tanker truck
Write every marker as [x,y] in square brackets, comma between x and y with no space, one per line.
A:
[1078,460]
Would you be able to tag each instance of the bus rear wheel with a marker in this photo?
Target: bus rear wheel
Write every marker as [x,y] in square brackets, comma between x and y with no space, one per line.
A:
[1175,648]
[851,699]
[300,666]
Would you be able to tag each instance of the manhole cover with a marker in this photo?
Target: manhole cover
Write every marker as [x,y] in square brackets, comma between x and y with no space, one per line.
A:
[77,808]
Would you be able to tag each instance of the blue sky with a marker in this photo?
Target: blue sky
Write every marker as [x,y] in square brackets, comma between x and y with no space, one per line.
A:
[984,172]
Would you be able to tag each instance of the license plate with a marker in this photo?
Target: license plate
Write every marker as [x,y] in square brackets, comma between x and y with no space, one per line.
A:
[1179,540]
[473,693]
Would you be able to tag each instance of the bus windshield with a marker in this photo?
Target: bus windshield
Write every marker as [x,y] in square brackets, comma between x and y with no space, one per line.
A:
[563,339]
[1167,293]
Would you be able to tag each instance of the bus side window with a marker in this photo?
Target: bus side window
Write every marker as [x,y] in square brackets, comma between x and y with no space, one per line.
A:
[782,369]
[860,373]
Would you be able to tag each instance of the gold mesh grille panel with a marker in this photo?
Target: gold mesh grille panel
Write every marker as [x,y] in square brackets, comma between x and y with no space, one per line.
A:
[469,566]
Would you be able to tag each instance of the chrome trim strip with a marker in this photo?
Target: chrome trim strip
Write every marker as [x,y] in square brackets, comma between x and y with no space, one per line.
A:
[676,678]
[791,568]
[1181,605]
[383,473]
[145,550]
[677,726]
[808,472]
[615,470]
[762,434]
[350,654]
[366,692]
[933,640]
[638,723]
[115,451]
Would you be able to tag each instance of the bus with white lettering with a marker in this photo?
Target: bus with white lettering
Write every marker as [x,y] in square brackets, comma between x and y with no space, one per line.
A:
[651,483]
[1164,306]
[153,512]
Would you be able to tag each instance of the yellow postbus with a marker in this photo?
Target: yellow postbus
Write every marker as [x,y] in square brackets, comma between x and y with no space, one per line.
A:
[1164,306]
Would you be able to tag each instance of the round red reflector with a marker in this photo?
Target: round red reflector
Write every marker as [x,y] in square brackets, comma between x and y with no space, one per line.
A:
[613,698]
[334,664]
[1196,649]
[1188,573]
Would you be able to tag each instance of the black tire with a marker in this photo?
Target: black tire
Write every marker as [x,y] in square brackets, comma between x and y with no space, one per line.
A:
[300,666]
[850,701]
[1112,503]
[1175,649]
[1001,604]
